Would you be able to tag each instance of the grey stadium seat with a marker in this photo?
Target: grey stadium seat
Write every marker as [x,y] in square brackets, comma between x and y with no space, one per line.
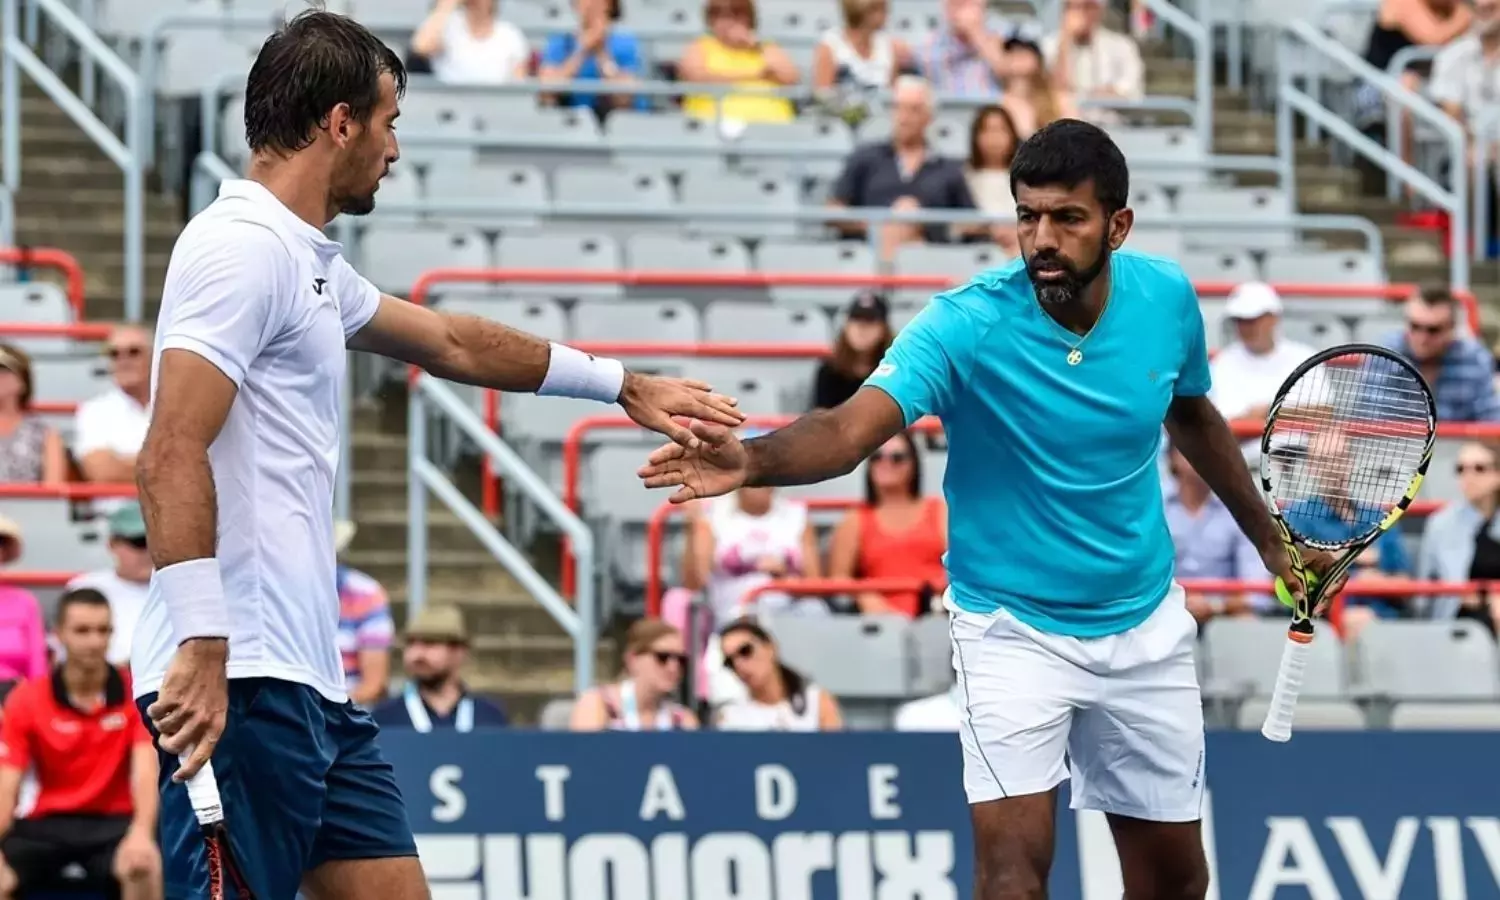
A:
[1311,715]
[232,144]
[53,542]
[1218,265]
[194,60]
[1446,717]
[1152,205]
[505,188]
[810,147]
[69,379]
[611,489]
[542,318]
[394,257]
[1427,660]
[556,129]
[848,656]
[957,262]
[630,127]
[655,321]
[680,253]
[1318,332]
[1242,657]
[723,194]
[400,194]
[1250,204]
[1155,241]
[802,257]
[611,186]
[36,303]
[557,715]
[727,321]
[758,385]
[1323,267]
[934,467]
[930,655]
[586,252]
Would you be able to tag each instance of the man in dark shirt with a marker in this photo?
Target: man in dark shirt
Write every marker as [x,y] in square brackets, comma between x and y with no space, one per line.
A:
[437,646]
[903,173]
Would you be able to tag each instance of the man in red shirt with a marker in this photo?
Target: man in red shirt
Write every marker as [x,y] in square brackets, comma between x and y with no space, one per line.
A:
[95,768]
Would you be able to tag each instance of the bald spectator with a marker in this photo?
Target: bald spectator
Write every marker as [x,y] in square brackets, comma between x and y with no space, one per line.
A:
[903,173]
[1093,62]
[1248,372]
[109,429]
[124,585]
[1458,367]
[965,57]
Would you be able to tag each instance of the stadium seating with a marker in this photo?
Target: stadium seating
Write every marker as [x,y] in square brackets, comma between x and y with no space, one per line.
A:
[1426,661]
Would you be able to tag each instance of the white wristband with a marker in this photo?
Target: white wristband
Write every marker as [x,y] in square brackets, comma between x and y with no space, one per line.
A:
[573,373]
[194,596]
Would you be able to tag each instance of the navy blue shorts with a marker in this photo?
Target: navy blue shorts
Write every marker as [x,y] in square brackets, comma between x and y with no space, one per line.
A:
[302,781]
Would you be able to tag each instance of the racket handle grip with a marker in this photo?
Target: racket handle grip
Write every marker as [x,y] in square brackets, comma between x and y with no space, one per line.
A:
[1278,726]
[203,793]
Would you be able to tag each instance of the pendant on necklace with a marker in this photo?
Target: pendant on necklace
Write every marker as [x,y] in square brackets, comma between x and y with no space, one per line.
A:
[1075,356]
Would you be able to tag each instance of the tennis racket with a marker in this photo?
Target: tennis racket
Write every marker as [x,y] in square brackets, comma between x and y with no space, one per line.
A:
[1346,445]
[225,880]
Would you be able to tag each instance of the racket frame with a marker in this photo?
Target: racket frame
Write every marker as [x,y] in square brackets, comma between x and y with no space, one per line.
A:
[1300,633]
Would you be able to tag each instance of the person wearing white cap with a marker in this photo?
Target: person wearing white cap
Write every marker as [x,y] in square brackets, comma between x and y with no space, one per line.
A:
[1247,373]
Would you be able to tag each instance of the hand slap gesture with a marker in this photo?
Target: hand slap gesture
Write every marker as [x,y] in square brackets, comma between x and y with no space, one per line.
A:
[715,463]
[651,401]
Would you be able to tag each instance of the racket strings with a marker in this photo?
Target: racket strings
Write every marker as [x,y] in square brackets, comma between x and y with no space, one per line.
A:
[1347,440]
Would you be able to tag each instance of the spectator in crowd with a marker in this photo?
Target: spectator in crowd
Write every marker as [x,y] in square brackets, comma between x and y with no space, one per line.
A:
[365,626]
[733,53]
[1209,544]
[862,341]
[96,769]
[1334,516]
[1461,541]
[1029,92]
[30,451]
[1466,73]
[109,429]
[1248,372]
[598,51]
[895,533]
[1458,367]
[1092,62]
[23,638]
[992,145]
[938,713]
[862,57]
[903,173]
[655,659]
[124,585]
[965,57]
[1400,24]
[467,43]
[777,697]
[742,542]
[435,696]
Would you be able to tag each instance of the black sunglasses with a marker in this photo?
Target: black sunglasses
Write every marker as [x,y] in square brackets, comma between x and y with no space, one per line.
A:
[744,651]
[1419,328]
[1464,468]
[663,657]
[138,543]
[124,352]
[893,456]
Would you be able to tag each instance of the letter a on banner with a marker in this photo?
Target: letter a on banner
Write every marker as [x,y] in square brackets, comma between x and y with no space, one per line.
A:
[661,796]
[1292,858]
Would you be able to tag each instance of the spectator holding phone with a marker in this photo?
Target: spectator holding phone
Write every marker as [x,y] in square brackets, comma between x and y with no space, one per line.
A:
[467,43]
[598,51]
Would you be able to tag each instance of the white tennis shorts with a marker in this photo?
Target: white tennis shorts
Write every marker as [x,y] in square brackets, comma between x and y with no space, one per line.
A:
[1123,712]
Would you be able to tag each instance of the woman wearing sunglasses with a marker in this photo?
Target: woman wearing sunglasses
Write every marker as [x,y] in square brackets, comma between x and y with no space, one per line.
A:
[777,697]
[895,533]
[1462,540]
[654,662]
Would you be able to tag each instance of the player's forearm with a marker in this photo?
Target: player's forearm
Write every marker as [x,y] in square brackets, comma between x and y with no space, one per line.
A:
[1204,438]
[178,501]
[488,354]
[816,447]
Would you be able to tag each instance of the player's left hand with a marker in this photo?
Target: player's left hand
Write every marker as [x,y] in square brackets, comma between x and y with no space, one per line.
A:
[651,401]
[136,856]
[1279,563]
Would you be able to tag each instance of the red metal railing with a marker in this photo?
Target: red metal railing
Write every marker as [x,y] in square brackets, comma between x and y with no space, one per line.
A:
[48,258]
[1402,587]
[80,491]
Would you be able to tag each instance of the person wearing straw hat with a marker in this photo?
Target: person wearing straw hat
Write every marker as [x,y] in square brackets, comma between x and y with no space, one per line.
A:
[365,625]
[435,697]
[23,637]
[125,584]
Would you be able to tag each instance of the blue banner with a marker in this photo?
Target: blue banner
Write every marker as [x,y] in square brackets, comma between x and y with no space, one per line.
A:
[873,816]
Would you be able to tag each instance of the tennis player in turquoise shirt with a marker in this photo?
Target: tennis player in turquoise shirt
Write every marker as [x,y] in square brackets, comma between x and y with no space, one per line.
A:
[1072,644]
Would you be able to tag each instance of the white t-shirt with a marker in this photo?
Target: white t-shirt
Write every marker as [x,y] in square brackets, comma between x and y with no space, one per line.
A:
[268,300]
[1243,380]
[126,601]
[112,421]
[938,713]
[466,59]
[749,715]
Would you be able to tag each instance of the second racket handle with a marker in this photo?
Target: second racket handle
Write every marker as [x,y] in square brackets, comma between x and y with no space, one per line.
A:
[203,793]
[1278,726]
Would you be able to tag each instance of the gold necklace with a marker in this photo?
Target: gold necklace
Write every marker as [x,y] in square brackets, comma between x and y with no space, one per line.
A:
[1075,353]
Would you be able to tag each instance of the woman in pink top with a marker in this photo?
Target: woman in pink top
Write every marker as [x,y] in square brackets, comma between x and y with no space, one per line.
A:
[23,640]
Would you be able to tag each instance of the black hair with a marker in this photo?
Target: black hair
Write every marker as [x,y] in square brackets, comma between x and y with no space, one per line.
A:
[307,67]
[77,597]
[981,117]
[915,482]
[1069,152]
[792,682]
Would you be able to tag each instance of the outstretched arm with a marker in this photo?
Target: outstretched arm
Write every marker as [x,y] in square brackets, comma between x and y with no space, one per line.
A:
[824,444]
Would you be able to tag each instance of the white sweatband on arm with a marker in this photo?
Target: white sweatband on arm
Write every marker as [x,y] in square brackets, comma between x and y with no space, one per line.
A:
[194,595]
[573,373]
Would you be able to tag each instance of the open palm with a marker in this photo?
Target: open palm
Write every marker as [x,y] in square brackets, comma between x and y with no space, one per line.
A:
[717,464]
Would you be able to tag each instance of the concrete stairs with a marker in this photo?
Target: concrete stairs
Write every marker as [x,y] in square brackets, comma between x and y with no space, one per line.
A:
[72,197]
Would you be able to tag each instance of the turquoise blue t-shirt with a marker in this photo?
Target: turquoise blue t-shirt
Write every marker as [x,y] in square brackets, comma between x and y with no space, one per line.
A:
[1055,510]
[623,48]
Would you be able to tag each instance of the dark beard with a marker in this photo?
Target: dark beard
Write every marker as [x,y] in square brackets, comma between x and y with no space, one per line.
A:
[357,206]
[1071,286]
[431,682]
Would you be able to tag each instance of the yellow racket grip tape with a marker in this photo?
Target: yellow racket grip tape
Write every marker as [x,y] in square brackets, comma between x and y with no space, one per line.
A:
[1285,595]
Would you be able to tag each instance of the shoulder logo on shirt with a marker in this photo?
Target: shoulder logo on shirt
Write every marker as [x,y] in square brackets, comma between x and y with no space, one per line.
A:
[318,285]
[884,369]
[65,726]
[112,722]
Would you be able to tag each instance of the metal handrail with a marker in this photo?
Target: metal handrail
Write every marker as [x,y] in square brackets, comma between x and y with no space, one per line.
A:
[1486,128]
[1403,58]
[126,154]
[578,620]
[1199,32]
[1291,98]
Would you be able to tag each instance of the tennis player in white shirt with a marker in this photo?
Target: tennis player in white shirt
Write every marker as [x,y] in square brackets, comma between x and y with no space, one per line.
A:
[236,655]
